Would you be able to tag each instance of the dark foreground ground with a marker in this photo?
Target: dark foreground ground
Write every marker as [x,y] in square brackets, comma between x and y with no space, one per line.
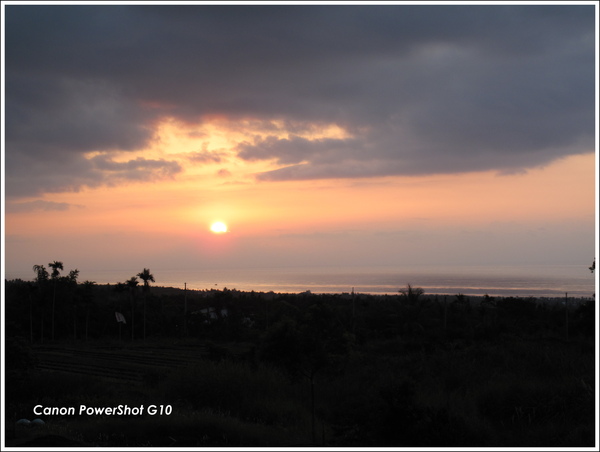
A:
[259,370]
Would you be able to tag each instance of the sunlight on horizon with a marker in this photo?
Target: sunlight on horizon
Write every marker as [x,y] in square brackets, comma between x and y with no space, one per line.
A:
[474,198]
[283,217]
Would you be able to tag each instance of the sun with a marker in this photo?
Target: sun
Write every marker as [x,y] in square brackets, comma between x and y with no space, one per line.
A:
[218,227]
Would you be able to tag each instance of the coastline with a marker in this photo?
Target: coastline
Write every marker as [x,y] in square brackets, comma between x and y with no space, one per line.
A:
[548,281]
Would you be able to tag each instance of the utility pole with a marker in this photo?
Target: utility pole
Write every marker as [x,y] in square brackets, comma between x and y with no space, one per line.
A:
[120,310]
[567,316]
[185,309]
[312,399]
[445,315]
[353,312]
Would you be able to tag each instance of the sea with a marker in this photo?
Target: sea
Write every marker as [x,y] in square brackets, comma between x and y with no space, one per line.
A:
[551,281]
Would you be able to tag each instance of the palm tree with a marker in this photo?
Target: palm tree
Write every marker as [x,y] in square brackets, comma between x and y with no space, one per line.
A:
[132,284]
[56,266]
[413,306]
[73,275]
[72,283]
[41,280]
[41,272]
[145,276]
[592,268]
[411,293]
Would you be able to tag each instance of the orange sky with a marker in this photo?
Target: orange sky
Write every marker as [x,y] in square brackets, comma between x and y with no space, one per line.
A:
[190,202]
[274,219]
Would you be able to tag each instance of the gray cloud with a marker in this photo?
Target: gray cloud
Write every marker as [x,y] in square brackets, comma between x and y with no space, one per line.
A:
[297,149]
[205,156]
[32,175]
[138,169]
[421,89]
[39,205]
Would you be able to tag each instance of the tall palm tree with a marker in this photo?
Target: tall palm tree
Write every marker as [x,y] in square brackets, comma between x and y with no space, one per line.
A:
[411,298]
[56,266]
[41,273]
[411,294]
[73,275]
[72,283]
[41,280]
[146,276]
[132,284]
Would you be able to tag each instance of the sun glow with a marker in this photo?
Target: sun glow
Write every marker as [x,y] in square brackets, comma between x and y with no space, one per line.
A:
[218,227]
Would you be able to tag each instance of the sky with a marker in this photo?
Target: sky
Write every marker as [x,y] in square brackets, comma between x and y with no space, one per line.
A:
[322,135]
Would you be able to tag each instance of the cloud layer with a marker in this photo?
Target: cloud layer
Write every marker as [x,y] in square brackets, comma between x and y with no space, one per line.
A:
[417,89]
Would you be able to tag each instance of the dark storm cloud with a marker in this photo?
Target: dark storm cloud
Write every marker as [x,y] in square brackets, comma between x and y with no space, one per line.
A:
[295,149]
[138,169]
[419,89]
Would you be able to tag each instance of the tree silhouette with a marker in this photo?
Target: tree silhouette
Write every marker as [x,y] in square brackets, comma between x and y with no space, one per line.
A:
[73,275]
[411,294]
[592,268]
[145,276]
[41,273]
[71,281]
[56,266]
[412,307]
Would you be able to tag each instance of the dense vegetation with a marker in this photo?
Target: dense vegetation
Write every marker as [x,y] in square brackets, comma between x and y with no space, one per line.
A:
[304,369]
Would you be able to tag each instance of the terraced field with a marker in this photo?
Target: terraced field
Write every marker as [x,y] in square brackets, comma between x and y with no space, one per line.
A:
[131,364]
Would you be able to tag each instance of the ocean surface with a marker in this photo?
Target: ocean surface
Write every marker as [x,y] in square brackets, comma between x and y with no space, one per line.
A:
[523,281]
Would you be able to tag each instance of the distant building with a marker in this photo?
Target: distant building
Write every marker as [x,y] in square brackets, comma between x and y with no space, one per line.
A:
[212,313]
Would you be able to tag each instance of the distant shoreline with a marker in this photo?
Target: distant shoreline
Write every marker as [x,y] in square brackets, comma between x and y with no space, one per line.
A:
[545,281]
[477,297]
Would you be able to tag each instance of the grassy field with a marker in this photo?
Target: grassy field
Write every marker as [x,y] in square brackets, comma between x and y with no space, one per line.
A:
[214,401]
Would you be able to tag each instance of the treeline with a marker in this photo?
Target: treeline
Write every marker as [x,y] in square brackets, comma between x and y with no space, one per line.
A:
[55,306]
